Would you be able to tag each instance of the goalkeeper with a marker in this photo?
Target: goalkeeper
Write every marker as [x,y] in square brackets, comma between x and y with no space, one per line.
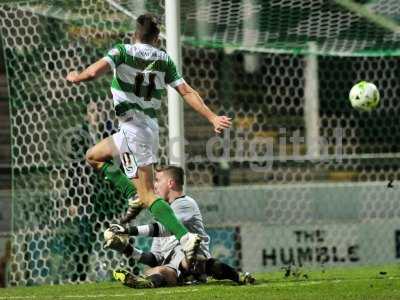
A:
[141,74]
[169,266]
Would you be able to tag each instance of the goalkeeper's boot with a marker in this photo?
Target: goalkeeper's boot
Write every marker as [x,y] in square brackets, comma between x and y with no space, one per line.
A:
[132,281]
[134,209]
[190,243]
[246,278]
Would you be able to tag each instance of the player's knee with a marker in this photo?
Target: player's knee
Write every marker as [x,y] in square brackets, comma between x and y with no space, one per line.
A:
[163,276]
[90,158]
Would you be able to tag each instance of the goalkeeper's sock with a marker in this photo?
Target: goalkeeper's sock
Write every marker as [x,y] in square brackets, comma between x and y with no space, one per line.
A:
[149,259]
[163,213]
[218,270]
[122,183]
[133,252]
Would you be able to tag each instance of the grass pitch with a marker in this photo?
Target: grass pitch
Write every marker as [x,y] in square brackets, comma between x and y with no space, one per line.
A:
[335,283]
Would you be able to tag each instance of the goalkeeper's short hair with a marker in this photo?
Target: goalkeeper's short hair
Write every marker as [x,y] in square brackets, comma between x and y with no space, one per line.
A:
[175,172]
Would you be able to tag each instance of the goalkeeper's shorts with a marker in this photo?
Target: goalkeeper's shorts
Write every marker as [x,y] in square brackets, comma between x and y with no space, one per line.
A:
[174,259]
[137,146]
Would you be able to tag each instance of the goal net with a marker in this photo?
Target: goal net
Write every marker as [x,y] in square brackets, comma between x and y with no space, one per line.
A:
[281,69]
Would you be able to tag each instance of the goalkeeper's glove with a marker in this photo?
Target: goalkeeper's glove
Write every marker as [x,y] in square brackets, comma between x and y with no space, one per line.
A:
[115,241]
[118,229]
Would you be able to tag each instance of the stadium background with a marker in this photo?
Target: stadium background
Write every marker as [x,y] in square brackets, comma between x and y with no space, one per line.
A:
[248,59]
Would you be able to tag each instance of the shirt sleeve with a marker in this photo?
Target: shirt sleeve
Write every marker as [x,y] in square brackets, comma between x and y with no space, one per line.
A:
[172,76]
[183,210]
[115,56]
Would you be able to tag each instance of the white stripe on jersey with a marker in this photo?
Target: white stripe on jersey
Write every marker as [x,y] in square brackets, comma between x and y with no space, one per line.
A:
[110,62]
[120,96]
[145,51]
[177,82]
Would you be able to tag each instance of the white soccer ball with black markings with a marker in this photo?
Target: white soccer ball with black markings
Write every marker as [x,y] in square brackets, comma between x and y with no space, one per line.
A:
[364,96]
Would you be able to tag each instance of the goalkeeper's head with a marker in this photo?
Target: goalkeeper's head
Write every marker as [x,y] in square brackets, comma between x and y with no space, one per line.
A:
[169,182]
[147,29]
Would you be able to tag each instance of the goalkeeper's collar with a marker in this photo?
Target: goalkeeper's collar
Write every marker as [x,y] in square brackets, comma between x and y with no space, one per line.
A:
[183,196]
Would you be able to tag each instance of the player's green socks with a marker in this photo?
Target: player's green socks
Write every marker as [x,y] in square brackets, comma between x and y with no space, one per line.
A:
[163,213]
[122,183]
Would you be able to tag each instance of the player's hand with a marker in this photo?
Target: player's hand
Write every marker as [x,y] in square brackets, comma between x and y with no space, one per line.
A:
[72,76]
[118,229]
[220,123]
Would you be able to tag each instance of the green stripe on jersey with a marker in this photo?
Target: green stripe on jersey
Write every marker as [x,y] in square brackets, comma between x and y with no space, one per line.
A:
[123,86]
[123,107]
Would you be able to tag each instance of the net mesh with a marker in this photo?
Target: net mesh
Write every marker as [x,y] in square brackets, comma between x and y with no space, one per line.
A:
[361,28]
[61,207]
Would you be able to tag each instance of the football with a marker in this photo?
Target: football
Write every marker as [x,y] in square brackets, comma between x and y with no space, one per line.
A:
[364,96]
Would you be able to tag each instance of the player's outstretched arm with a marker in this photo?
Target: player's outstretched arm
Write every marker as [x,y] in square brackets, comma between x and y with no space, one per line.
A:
[152,230]
[194,100]
[92,72]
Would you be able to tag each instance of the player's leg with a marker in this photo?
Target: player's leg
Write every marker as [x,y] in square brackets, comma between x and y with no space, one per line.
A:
[196,272]
[131,280]
[162,276]
[138,147]
[103,151]
[220,271]
[155,277]
[168,273]
[101,157]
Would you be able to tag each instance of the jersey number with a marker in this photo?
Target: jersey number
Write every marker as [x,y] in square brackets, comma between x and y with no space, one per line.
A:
[139,78]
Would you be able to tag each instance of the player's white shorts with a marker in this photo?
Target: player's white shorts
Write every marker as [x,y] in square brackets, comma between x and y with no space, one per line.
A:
[137,146]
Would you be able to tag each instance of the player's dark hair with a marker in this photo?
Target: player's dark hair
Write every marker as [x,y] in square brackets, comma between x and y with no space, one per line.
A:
[175,172]
[147,28]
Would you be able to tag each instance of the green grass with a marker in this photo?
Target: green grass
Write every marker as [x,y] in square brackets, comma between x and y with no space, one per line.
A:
[335,283]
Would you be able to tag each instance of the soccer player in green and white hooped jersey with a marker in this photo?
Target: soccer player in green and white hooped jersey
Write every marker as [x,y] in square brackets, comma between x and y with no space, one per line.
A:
[141,73]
